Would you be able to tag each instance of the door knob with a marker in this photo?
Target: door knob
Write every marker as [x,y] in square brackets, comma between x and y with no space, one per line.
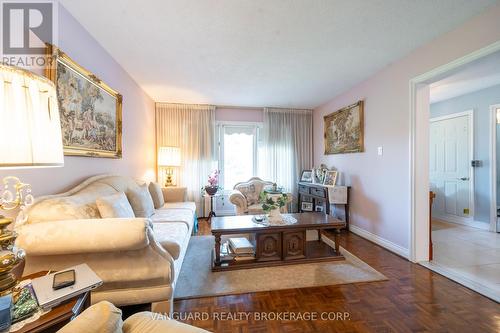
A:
[464,178]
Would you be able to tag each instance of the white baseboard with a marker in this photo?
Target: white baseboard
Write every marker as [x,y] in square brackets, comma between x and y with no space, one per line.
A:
[399,250]
[467,223]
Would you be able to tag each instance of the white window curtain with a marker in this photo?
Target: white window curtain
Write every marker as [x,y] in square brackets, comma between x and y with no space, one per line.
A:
[192,129]
[287,146]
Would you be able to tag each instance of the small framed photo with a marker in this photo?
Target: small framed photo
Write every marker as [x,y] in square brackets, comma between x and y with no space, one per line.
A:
[307,206]
[307,176]
[330,178]
[319,208]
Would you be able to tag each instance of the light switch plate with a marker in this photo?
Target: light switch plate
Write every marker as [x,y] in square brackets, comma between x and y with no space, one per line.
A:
[380,151]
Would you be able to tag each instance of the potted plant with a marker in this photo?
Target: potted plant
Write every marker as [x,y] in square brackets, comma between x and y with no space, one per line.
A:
[213,183]
[272,204]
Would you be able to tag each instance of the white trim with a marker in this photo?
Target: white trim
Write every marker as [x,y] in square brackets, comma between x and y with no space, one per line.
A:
[393,247]
[452,115]
[413,181]
[472,188]
[239,123]
[493,168]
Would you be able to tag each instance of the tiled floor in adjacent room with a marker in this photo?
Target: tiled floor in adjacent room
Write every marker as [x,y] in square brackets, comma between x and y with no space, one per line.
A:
[469,252]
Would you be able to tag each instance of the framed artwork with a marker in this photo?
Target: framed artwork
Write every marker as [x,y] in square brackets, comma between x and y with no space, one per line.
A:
[330,178]
[307,176]
[90,111]
[344,130]
[319,208]
[307,206]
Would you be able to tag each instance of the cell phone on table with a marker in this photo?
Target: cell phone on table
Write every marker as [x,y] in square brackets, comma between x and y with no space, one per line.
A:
[63,279]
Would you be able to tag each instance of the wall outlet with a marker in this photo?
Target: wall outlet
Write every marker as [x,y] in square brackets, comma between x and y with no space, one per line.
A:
[380,151]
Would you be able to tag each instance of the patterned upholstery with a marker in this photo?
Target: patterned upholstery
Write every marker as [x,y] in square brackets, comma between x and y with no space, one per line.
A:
[245,196]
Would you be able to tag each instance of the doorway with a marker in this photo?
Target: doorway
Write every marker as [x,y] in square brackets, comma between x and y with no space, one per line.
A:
[462,251]
[450,171]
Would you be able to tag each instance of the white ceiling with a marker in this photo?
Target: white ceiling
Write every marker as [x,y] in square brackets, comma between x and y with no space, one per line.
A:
[288,53]
[481,74]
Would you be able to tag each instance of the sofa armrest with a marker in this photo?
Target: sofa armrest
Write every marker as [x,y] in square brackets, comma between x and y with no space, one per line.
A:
[238,199]
[157,322]
[83,236]
[174,194]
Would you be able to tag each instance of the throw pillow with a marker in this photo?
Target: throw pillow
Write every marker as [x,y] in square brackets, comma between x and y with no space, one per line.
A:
[156,194]
[102,317]
[141,201]
[114,206]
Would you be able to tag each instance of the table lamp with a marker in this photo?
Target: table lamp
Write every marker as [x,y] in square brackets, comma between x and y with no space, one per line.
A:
[169,157]
[31,134]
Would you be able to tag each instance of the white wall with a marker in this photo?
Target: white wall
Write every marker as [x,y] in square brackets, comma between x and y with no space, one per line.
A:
[380,184]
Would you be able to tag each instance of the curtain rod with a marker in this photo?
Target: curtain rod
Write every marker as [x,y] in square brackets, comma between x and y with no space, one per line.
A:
[236,107]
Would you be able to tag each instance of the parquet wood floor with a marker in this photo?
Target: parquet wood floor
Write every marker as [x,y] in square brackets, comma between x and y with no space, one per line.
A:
[414,299]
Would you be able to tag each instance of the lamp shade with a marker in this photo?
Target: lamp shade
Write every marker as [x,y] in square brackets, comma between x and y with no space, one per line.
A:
[29,120]
[169,156]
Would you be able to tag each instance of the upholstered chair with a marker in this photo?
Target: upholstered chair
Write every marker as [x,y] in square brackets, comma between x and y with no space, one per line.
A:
[245,196]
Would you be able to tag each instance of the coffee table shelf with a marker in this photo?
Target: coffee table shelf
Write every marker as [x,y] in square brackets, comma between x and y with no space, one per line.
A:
[278,245]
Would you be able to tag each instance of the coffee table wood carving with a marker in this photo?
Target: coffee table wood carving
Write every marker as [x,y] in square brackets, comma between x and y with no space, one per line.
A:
[278,244]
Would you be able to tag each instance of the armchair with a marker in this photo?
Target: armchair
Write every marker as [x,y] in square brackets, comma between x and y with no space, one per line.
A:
[245,196]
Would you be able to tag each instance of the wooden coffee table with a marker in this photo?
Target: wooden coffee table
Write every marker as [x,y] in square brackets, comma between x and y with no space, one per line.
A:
[278,244]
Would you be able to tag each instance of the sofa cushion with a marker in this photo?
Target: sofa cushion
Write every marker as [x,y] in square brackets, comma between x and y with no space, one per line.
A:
[185,216]
[157,194]
[115,206]
[148,322]
[180,205]
[102,317]
[141,201]
[172,236]
[80,201]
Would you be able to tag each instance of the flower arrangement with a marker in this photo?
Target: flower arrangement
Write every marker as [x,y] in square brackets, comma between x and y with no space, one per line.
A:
[213,178]
[213,183]
[270,203]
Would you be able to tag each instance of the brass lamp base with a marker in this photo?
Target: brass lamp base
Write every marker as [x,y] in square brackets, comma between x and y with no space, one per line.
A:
[10,258]
[169,182]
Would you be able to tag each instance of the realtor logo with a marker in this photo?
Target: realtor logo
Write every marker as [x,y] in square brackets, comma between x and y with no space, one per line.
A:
[27,26]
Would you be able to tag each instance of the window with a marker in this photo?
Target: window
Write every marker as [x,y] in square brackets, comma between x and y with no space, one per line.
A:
[238,149]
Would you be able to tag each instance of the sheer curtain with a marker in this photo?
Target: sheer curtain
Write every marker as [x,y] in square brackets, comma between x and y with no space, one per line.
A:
[287,146]
[192,128]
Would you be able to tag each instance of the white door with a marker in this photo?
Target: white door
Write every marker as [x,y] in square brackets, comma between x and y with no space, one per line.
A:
[450,169]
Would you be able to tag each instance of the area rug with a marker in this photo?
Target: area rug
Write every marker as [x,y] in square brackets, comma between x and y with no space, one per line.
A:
[197,279]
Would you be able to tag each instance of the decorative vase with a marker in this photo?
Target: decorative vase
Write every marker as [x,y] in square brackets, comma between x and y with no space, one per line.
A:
[275,216]
[211,189]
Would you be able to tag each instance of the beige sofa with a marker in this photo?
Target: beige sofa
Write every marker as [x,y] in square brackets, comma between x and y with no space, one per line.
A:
[139,259]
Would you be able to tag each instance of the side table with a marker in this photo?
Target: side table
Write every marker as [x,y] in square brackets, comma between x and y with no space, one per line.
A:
[59,315]
[211,213]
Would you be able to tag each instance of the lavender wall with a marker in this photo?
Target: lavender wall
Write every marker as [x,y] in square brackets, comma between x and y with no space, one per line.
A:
[380,194]
[138,119]
[239,114]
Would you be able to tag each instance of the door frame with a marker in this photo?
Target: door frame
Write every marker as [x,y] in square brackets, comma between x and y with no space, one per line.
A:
[493,164]
[469,221]
[419,151]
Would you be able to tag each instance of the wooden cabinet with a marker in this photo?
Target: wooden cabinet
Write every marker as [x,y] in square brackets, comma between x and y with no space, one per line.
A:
[315,198]
[268,246]
[294,245]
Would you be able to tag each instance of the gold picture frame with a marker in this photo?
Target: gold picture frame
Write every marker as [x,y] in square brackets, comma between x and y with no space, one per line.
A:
[344,130]
[90,110]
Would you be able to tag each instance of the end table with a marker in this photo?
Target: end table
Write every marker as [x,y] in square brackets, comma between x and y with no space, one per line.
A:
[60,315]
